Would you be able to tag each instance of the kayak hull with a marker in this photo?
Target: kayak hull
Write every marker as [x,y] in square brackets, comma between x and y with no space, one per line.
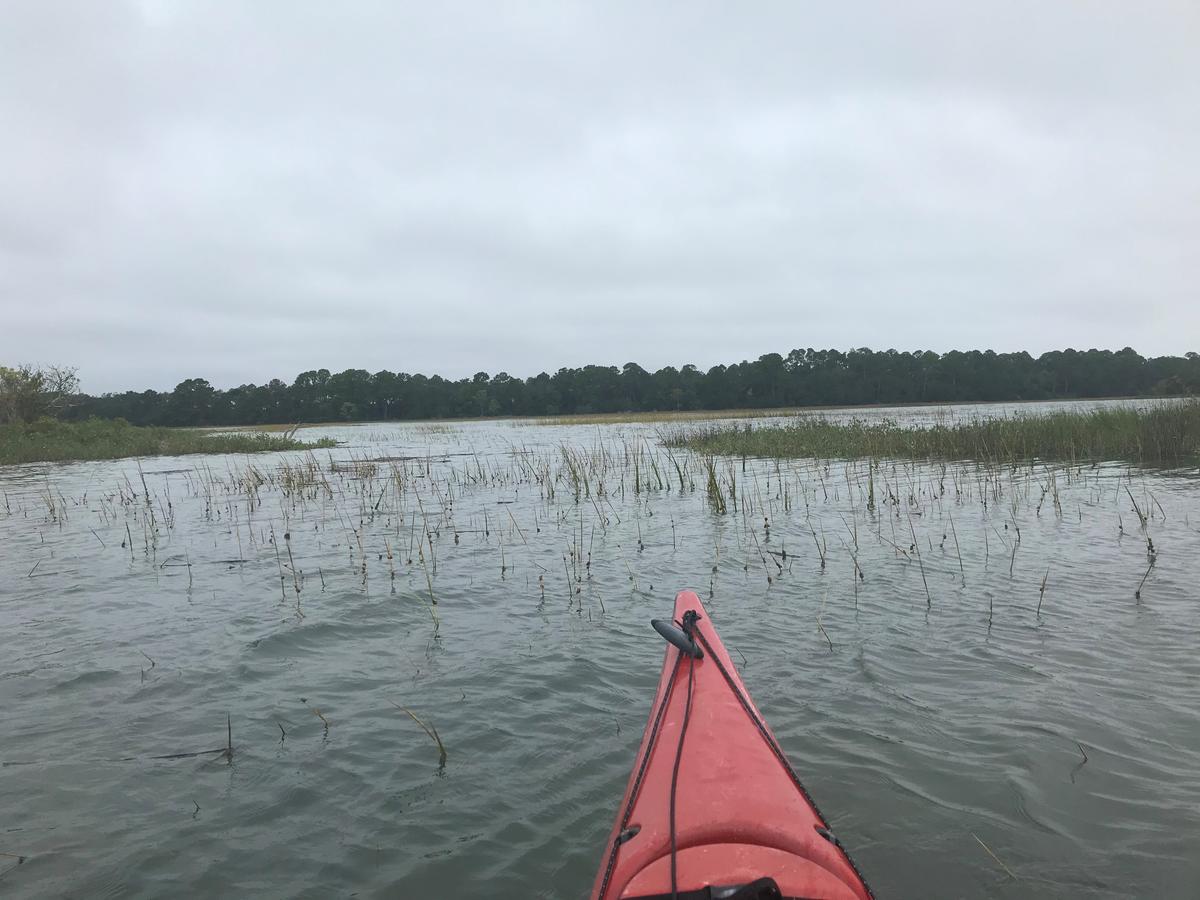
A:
[740,812]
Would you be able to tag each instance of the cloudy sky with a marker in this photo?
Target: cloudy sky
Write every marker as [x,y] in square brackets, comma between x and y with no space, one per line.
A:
[240,191]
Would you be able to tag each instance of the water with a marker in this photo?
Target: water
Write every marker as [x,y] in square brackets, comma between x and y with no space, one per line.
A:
[931,725]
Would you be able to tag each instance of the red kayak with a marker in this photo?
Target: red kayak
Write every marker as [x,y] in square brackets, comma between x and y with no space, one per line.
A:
[713,809]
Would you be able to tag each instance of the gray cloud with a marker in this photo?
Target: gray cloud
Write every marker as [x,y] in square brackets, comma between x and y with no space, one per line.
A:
[243,191]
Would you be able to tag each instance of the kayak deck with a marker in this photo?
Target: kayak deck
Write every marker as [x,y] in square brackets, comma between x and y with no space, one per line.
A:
[740,814]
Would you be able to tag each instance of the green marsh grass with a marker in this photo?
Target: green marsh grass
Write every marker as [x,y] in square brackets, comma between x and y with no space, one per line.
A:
[684,415]
[49,440]
[1163,434]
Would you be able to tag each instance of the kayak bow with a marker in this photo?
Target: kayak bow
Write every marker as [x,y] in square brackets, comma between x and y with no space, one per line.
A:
[713,809]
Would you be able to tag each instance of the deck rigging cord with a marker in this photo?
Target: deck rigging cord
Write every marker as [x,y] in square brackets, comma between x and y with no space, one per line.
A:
[689,625]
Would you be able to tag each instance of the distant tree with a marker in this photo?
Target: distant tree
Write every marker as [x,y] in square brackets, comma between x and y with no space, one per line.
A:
[507,395]
[636,383]
[191,403]
[29,392]
[385,395]
[541,396]
[350,393]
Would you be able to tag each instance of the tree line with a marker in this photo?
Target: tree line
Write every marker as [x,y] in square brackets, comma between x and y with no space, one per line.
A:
[801,378]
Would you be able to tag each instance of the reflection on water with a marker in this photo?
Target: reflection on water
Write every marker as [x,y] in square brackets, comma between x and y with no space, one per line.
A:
[293,594]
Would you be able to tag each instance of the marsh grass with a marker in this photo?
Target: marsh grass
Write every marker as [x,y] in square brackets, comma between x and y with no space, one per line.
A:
[1164,434]
[429,730]
[49,440]
[661,416]
[285,428]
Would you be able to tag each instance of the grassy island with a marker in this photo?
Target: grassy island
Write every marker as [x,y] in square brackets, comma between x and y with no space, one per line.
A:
[51,440]
[1162,434]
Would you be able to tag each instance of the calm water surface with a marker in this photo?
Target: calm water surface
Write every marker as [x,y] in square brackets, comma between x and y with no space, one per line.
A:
[942,718]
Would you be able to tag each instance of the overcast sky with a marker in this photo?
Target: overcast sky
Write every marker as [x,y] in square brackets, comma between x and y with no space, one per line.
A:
[240,191]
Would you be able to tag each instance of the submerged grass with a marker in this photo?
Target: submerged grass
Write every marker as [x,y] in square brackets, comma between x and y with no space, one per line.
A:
[50,440]
[1163,434]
